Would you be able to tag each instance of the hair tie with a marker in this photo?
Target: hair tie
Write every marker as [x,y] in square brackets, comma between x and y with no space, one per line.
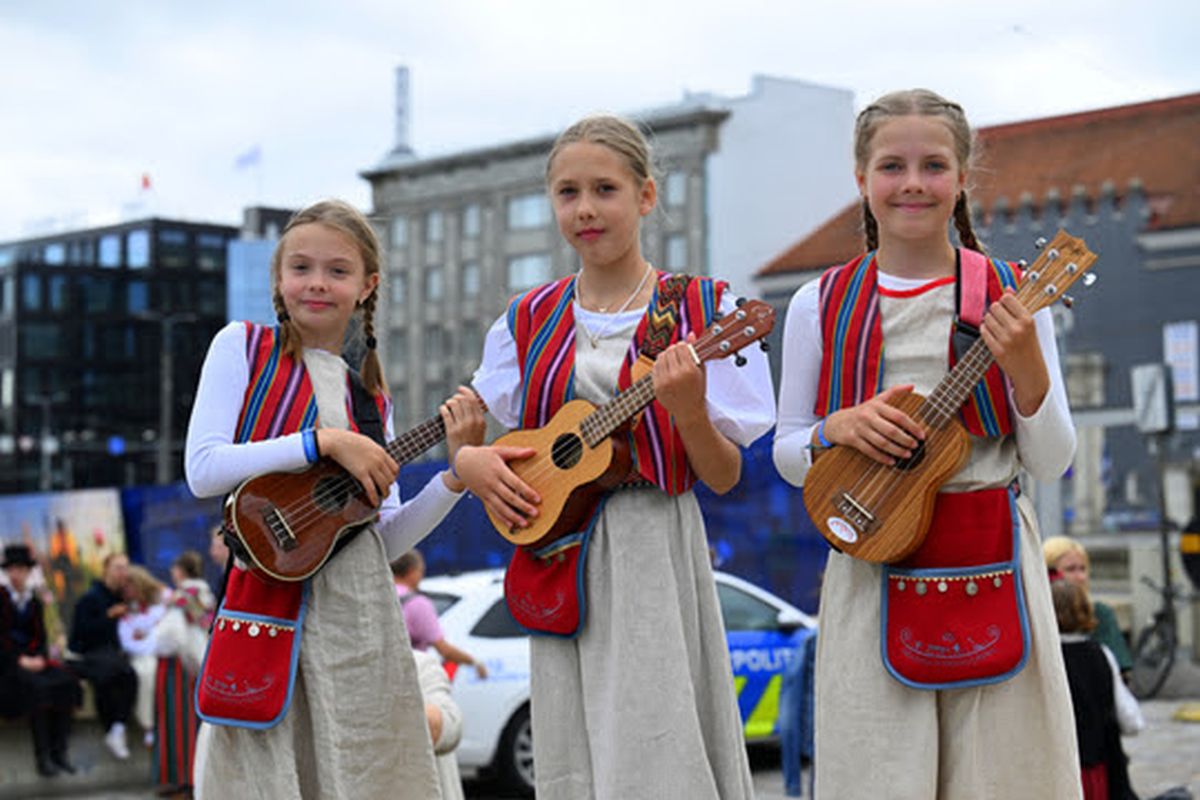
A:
[283,316]
[371,343]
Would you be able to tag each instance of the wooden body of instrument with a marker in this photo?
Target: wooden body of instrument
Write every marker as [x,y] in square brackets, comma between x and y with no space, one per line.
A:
[881,513]
[583,451]
[574,485]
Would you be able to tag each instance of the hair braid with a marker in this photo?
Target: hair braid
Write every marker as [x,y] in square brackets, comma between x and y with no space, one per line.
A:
[289,337]
[372,371]
[870,227]
[962,223]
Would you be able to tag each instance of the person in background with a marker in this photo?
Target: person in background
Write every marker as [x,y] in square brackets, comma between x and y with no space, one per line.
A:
[1104,708]
[445,721]
[420,617]
[144,594]
[1068,558]
[31,683]
[100,659]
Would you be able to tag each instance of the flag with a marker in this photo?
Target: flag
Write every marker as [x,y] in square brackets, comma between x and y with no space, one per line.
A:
[145,181]
[250,158]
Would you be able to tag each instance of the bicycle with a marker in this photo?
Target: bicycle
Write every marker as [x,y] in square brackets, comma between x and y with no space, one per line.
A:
[1154,651]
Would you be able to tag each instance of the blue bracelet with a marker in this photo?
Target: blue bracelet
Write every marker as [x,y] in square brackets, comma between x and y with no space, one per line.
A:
[453,471]
[821,436]
[311,453]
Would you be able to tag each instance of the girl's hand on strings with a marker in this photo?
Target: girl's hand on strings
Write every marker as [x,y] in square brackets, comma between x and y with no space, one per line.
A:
[366,461]
[875,428]
[679,382]
[465,425]
[485,472]
[1010,333]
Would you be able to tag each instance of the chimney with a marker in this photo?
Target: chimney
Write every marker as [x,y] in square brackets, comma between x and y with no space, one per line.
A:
[402,145]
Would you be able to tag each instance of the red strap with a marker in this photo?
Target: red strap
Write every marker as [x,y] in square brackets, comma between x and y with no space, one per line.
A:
[972,291]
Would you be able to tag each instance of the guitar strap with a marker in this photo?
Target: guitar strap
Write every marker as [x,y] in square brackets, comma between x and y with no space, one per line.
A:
[970,298]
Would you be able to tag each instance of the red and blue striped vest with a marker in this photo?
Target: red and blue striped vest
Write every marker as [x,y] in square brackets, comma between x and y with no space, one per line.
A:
[853,346]
[542,323]
[279,397]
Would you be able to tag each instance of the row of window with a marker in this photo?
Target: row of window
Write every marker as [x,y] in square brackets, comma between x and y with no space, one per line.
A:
[523,272]
[172,250]
[522,212]
[436,345]
[100,295]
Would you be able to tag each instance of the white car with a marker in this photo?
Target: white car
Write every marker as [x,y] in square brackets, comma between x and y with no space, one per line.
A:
[497,740]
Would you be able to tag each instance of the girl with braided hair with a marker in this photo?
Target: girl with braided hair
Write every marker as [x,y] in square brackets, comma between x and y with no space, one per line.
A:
[1008,733]
[278,398]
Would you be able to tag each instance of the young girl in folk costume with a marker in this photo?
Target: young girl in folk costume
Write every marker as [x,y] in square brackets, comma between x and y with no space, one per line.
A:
[351,723]
[1010,734]
[145,595]
[1069,559]
[180,638]
[639,702]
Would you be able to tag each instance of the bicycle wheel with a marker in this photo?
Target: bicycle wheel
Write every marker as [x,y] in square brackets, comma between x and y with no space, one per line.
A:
[1153,657]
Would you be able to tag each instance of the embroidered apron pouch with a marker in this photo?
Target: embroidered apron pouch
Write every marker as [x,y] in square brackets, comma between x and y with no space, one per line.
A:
[250,665]
[953,614]
[544,588]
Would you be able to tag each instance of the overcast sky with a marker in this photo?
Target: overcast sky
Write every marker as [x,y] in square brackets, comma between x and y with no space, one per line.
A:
[94,95]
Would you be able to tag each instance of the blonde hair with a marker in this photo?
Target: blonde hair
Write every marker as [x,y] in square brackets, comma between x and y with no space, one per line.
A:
[616,133]
[1054,548]
[919,102]
[146,588]
[345,218]
[1072,607]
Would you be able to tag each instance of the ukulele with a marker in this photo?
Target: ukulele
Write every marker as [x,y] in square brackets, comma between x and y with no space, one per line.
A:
[289,522]
[881,513]
[582,452]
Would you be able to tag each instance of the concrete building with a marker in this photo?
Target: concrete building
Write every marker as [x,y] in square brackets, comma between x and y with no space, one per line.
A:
[738,179]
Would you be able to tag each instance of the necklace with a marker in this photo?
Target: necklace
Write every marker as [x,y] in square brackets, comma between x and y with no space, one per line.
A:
[595,337]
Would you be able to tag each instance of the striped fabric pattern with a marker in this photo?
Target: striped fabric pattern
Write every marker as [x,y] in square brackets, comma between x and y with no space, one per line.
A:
[853,347]
[542,323]
[175,724]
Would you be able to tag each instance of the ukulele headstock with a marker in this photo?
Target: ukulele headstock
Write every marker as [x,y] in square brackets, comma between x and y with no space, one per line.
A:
[750,322]
[1063,260]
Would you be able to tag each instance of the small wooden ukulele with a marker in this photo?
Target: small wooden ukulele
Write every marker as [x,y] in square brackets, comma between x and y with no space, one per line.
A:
[289,522]
[881,513]
[578,456]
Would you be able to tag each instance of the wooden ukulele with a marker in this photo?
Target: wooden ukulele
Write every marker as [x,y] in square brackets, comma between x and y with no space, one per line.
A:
[881,513]
[578,456]
[289,522]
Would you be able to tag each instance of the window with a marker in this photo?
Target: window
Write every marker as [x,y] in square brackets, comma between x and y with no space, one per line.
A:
[441,601]
[137,249]
[470,279]
[434,285]
[435,394]
[8,256]
[435,345]
[676,194]
[56,293]
[86,254]
[527,271]
[435,226]
[172,248]
[210,251]
[497,623]
[397,351]
[470,221]
[97,296]
[55,254]
[110,250]
[528,211]
[471,341]
[399,232]
[31,293]
[744,612]
[400,408]
[397,288]
[42,340]
[212,298]
[677,251]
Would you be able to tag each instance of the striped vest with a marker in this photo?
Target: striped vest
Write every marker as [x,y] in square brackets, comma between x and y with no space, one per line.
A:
[853,346]
[279,397]
[542,323]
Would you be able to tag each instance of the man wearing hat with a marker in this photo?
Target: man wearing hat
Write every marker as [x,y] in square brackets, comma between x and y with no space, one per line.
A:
[30,683]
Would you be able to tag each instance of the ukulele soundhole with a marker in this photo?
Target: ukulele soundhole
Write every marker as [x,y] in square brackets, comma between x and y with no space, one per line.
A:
[567,450]
[912,461]
[331,494]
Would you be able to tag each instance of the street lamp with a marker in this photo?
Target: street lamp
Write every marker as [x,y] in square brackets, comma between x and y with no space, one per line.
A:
[48,445]
[166,389]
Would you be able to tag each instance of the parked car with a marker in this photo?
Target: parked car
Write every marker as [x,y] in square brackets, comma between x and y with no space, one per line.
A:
[497,740]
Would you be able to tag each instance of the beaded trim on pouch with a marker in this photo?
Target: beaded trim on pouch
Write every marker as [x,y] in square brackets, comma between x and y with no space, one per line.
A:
[253,627]
[971,587]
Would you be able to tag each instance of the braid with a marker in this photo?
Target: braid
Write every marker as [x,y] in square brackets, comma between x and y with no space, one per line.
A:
[372,371]
[962,223]
[870,227]
[289,338]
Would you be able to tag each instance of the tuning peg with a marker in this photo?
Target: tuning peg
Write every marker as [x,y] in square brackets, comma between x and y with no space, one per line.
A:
[739,360]
[1090,278]
[1022,263]
[1039,242]
[1068,301]
[741,301]
[765,345]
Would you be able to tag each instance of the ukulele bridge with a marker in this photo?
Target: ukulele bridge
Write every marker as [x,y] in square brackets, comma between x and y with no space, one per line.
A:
[279,528]
[855,512]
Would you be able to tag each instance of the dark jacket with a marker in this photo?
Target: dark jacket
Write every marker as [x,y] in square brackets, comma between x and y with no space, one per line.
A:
[92,629]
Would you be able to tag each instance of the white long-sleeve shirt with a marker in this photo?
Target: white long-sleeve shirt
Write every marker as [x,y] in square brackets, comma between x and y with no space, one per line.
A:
[214,464]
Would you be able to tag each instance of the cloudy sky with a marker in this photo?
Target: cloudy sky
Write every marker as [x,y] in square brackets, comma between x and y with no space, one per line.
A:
[95,95]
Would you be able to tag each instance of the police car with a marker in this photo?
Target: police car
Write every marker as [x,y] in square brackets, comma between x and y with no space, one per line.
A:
[761,630]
